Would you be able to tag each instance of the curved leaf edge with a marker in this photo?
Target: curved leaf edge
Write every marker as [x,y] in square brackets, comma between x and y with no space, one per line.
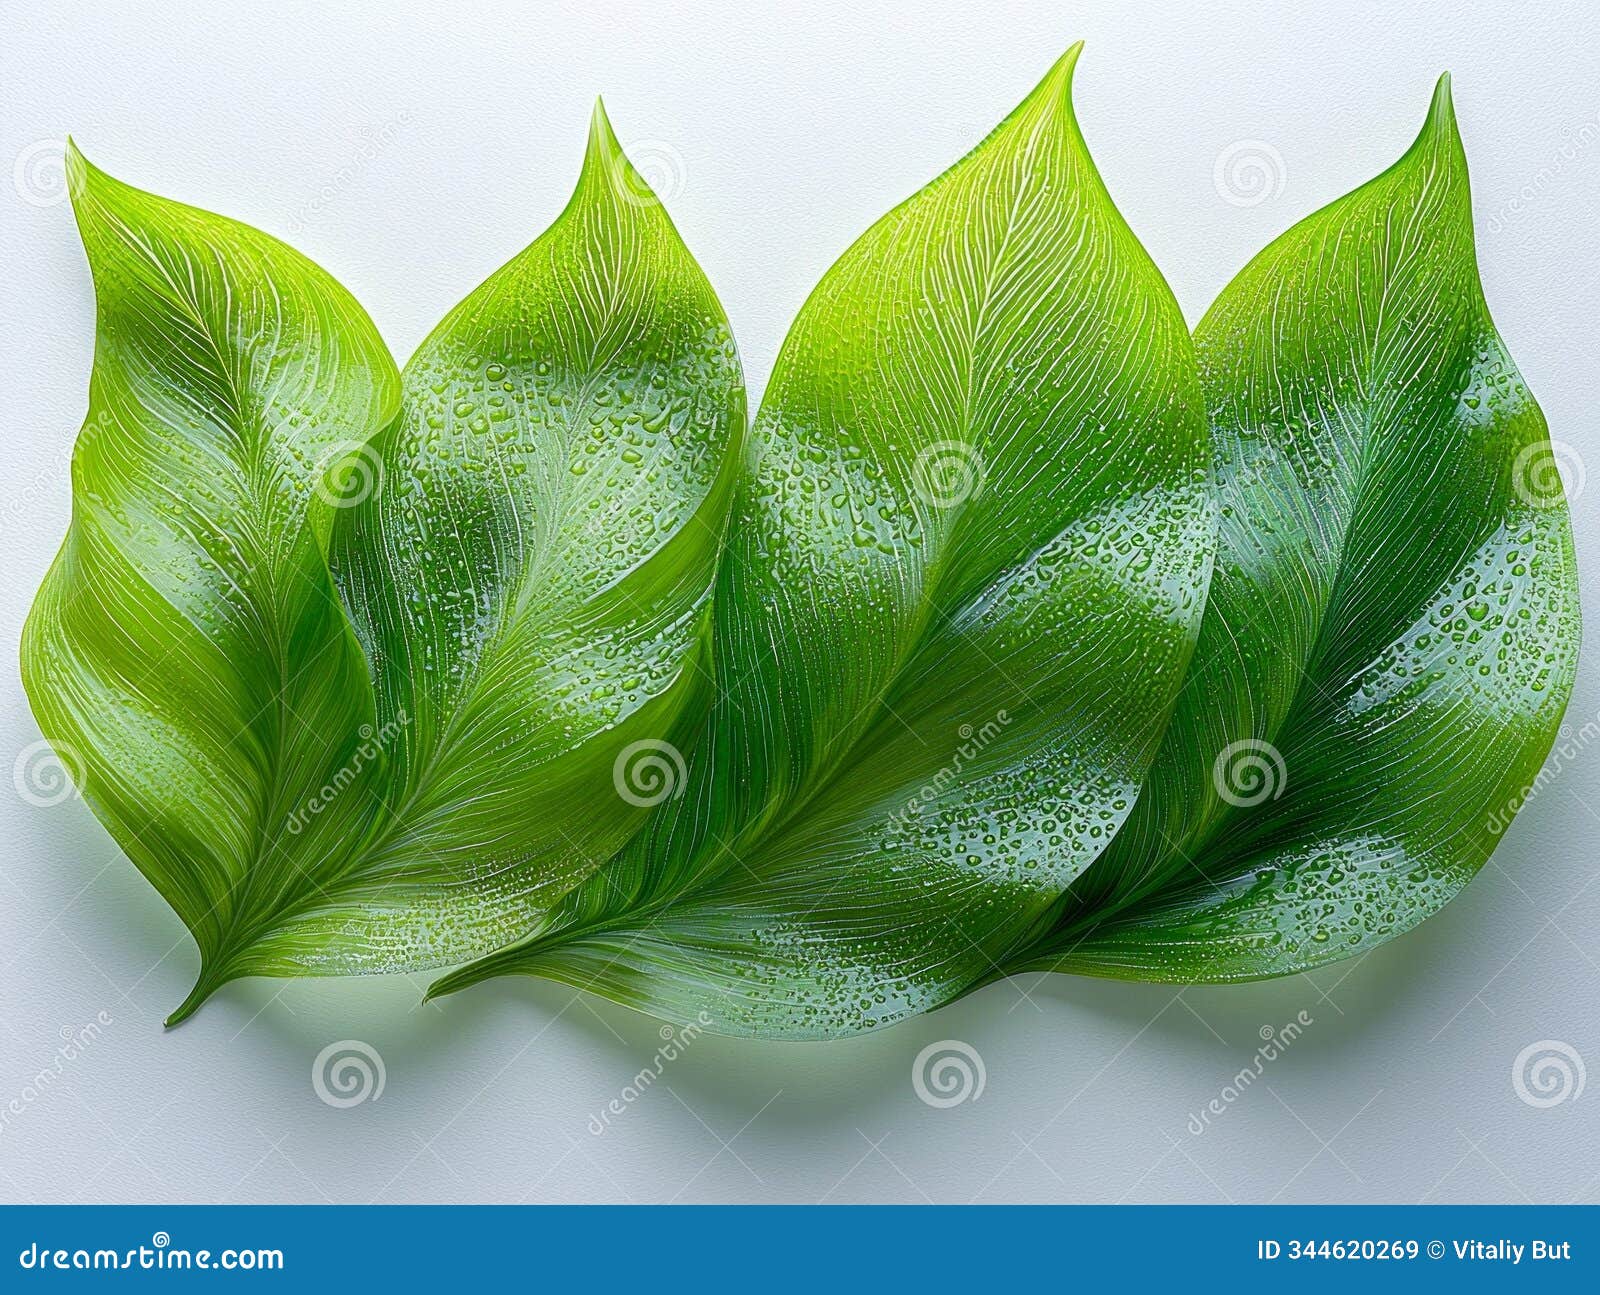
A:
[1056,950]
[524,958]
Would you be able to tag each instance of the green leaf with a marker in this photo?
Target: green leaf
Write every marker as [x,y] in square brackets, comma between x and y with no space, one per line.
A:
[964,578]
[526,547]
[533,583]
[187,654]
[1393,625]
[369,671]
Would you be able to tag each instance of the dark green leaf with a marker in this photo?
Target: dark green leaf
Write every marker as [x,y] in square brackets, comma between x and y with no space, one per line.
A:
[964,578]
[1393,626]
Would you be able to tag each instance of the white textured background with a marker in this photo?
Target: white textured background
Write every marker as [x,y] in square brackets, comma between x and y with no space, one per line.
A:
[412,153]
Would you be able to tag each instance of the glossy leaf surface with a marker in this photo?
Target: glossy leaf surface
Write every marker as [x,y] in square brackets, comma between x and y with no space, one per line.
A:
[533,583]
[188,655]
[1393,624]
[529,659]
[964,577]
[334,653]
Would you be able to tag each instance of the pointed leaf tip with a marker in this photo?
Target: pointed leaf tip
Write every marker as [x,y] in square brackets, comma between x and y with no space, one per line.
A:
[1058,80]
[86,181]
[1438,138]
[600,133]
[1052,95]
[1440,123]
[204,987]
[1442,111]
[77,168]
[606,163]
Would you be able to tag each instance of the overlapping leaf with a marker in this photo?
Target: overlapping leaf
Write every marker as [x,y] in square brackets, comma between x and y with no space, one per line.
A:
[187,653]
[525,529]
[370,671]
[533,584]
[1393,625]
[964,577]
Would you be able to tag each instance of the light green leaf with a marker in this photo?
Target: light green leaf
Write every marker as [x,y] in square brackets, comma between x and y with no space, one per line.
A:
[373,672]
[526,550]
[1393,626]
[187,654]
[964,577]
[533,583]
